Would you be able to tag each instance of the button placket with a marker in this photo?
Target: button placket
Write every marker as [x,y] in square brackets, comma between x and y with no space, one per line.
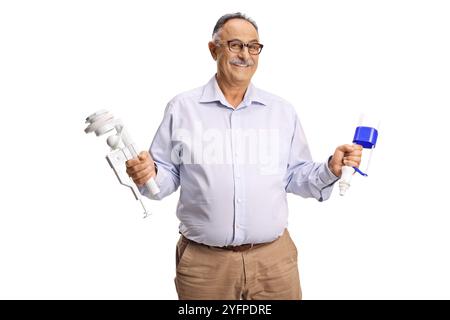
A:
[238,183]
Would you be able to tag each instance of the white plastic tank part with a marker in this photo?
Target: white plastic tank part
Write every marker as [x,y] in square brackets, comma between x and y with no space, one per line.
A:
[122,149]
[366,135]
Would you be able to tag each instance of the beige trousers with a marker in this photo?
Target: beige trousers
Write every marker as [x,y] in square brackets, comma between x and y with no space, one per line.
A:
[267,272]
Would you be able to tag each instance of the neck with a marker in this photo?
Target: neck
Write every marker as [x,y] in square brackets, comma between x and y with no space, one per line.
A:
[234,93]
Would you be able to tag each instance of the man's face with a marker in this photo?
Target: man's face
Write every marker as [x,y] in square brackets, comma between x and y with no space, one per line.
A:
[236,68]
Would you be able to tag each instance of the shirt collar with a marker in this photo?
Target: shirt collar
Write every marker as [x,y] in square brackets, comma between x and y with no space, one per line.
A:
[212,93]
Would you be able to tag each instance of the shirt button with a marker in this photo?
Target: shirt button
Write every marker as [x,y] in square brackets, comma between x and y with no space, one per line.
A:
[239,200]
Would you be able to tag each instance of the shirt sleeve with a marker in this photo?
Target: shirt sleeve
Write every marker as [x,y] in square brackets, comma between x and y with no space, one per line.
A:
[304,177]
[168,171]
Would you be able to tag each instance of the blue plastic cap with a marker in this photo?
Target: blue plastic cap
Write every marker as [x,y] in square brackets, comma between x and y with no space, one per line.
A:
[366,137]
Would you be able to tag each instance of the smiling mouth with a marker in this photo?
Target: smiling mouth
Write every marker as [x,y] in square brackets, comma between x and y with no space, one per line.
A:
[240,65]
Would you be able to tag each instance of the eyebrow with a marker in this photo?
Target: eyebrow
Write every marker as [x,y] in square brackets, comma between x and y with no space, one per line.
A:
[254,40]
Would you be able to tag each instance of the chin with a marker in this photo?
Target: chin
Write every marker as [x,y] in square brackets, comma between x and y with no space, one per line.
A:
[242,79]
[243,75]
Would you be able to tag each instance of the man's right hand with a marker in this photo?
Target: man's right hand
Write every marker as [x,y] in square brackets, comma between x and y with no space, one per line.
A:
[141,169]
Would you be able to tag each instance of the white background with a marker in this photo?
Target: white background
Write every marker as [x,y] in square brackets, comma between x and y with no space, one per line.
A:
[69,230]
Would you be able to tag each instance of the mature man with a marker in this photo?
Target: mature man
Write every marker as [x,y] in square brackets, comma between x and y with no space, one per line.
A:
[236,151]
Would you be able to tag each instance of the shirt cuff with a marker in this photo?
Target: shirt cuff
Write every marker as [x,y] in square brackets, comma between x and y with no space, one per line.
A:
[159,178]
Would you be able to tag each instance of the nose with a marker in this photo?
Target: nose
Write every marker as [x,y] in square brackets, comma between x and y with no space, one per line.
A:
[244,54]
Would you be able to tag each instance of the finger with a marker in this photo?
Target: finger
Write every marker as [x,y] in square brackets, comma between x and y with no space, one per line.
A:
[354,153]
[341,151]
[144,155]
[141,181]
[346,148]
[132,162]
[351,163]
[357,146]
[139,167]
[142,173]
[352,158]
[135,168]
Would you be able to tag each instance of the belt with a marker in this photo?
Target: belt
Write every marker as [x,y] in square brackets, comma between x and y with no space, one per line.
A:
[241,248]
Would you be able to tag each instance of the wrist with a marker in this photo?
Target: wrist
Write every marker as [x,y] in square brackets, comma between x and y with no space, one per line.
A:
[333,167]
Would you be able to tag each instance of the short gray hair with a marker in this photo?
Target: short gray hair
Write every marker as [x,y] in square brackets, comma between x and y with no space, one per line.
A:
[223,19]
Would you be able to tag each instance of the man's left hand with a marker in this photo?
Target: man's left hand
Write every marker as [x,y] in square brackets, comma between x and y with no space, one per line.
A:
[345,155]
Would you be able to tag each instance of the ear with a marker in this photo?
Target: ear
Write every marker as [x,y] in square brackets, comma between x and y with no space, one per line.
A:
[213,50]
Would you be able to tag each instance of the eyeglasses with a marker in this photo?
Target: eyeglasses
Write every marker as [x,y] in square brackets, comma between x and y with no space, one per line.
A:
[237,46]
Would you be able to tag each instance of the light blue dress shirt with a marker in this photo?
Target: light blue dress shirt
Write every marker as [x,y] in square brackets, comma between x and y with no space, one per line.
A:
[234,165]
